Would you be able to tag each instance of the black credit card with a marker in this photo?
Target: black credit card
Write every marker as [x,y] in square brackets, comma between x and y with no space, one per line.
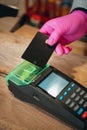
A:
[38,52]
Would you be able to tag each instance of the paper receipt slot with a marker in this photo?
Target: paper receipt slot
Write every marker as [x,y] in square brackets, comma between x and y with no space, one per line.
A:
[52,90]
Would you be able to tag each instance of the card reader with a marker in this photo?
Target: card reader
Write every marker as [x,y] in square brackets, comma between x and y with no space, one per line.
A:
[51,90]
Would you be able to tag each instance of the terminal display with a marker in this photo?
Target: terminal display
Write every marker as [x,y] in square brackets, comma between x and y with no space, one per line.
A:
[53,84]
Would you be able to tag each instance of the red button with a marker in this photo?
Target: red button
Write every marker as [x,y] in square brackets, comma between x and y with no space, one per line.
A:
[84,115]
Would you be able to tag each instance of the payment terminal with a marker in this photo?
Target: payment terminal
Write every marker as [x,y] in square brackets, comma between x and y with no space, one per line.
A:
[51,90]
[39,83]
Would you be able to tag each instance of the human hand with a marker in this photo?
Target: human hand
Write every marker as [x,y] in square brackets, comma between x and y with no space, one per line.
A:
[65,30]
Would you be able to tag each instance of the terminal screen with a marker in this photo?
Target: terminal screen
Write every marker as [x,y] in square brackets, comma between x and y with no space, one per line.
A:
[53,84]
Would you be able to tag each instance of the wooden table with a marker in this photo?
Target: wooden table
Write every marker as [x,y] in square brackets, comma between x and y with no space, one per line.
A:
[18,115]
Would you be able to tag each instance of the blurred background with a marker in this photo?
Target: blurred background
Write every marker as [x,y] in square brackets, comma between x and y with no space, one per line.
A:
[15,13]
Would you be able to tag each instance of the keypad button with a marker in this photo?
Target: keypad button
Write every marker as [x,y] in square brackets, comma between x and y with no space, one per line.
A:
[78,89]
[61,98]
[84,115]
[73,95]
[77,98]
[85,105]
[65,93]
[69,89]
[81,101]
[73,85]
[72,104]
[68,101]
[85,96]
[80,111]
[76,108]
[82,92]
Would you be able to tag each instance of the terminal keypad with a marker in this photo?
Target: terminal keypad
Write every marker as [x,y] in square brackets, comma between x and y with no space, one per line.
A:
[75,98]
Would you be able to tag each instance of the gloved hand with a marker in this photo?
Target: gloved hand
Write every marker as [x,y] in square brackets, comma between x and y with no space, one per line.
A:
[65,30]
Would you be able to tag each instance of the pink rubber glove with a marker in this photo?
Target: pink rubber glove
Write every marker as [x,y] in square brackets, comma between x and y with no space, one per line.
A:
[65,30]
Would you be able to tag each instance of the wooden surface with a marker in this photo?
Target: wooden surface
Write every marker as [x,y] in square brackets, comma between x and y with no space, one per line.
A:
[18,115]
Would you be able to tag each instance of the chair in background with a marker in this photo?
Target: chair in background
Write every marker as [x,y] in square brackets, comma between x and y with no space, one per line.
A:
[8,16]
[8,11]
